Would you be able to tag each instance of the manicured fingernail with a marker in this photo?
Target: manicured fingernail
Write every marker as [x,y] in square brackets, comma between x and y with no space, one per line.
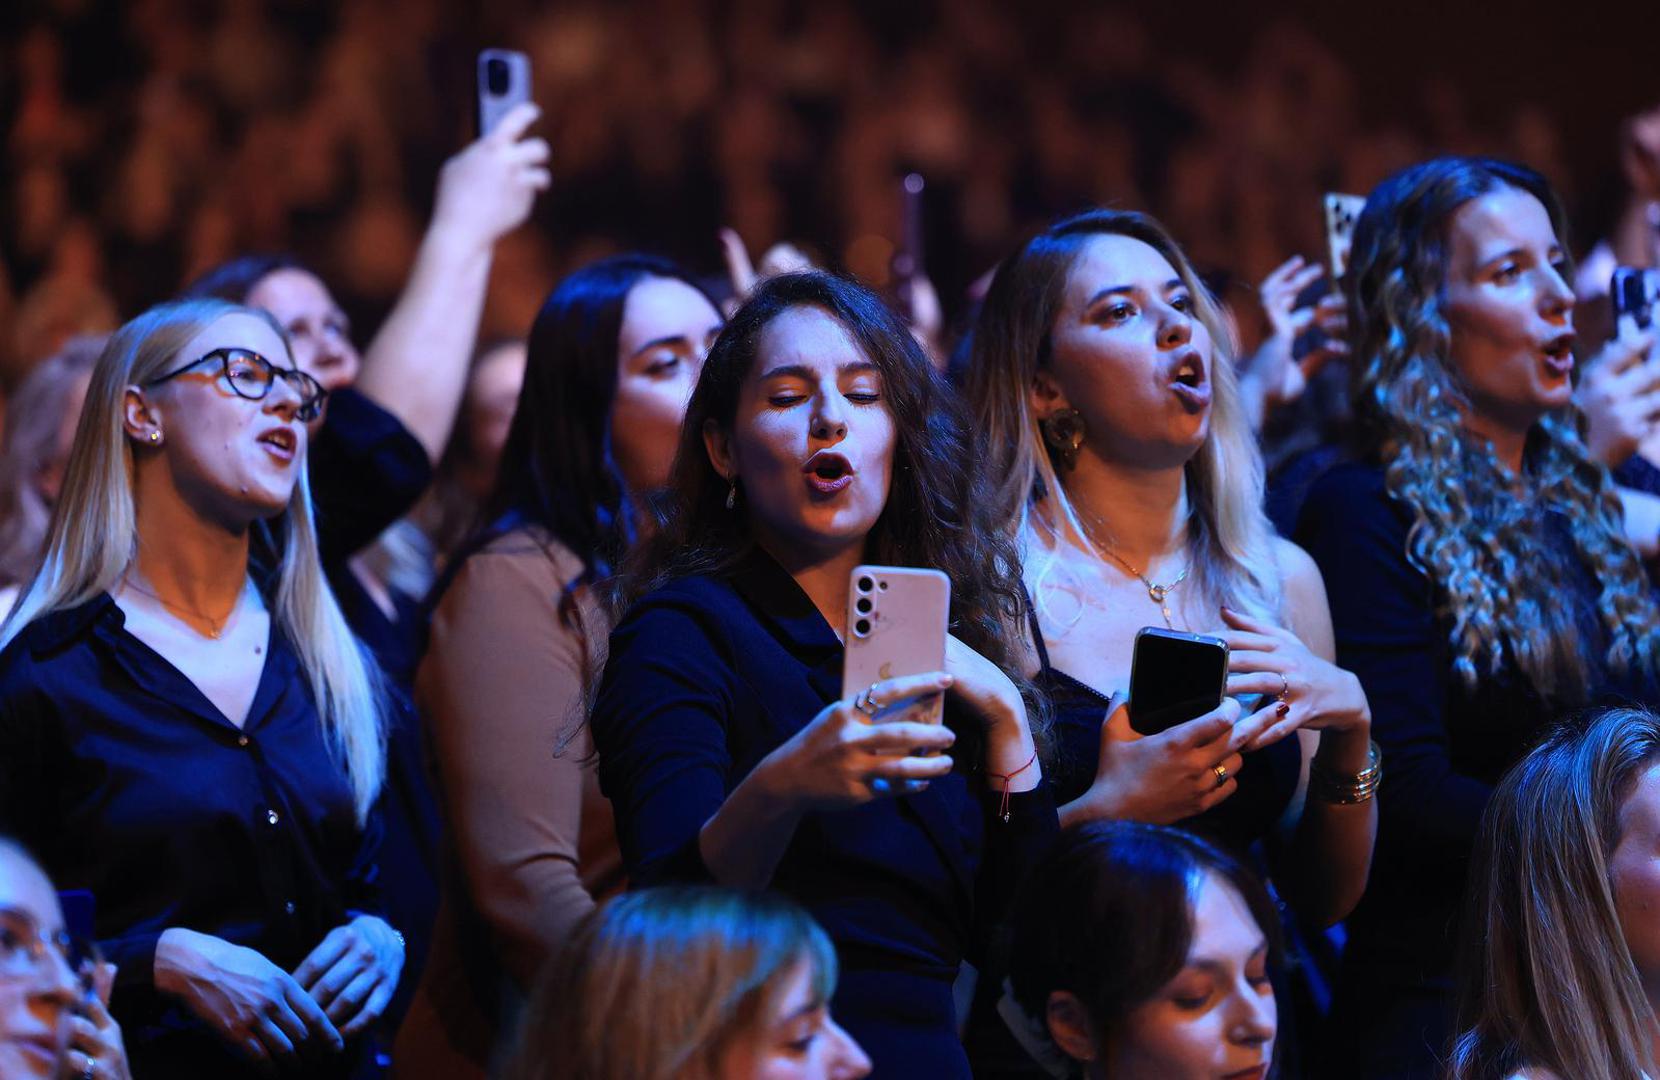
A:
[947,679]
[1282,708]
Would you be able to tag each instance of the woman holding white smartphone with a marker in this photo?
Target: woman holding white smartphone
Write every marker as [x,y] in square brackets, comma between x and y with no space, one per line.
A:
[820,438]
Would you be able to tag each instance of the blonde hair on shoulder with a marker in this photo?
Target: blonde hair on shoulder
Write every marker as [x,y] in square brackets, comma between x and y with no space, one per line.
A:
[93,538]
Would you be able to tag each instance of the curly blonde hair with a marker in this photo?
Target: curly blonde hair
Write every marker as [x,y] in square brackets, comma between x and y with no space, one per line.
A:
[1482,546]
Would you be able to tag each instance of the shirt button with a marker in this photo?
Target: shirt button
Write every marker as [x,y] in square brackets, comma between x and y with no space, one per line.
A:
[242,740]
[271,816]
[289,907]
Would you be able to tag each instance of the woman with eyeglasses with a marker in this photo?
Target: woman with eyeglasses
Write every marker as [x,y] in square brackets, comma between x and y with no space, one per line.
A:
[54,1020]
[188,730]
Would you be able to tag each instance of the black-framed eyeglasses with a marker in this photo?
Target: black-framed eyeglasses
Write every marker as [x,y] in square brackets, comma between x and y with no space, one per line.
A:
[25,949]
[251,376]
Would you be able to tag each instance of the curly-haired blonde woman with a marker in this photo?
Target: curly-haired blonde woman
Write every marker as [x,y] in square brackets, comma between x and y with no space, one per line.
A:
[1474,557]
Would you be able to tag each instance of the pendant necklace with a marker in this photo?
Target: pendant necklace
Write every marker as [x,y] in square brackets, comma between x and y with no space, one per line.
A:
[1157,593]
[216,626]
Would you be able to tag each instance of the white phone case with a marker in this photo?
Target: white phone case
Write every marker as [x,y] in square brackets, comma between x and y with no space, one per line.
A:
[897,619]
[495,101]
[1342,211]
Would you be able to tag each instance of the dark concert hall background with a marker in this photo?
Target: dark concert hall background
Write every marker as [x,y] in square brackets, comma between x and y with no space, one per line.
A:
[147,140]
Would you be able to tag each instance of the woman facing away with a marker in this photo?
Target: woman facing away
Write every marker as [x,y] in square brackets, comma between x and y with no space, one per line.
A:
[1473,551]
[819,438]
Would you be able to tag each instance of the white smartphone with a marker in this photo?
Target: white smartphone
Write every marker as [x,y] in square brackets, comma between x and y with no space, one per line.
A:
[503,82]
[897,620]
[1342,211]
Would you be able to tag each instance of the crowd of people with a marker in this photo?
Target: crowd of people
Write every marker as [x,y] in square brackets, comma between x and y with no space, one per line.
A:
[466,698]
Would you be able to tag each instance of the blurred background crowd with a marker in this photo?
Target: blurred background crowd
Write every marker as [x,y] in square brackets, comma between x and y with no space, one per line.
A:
[148,140]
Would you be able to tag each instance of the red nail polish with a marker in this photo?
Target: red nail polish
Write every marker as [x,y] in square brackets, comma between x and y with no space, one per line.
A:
[1282,708]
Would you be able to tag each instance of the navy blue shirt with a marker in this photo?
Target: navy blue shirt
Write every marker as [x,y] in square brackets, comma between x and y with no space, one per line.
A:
[706,677]
[126,781]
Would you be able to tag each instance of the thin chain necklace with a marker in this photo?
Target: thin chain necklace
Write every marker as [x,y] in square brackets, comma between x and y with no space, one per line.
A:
[217,625]
[1158,594]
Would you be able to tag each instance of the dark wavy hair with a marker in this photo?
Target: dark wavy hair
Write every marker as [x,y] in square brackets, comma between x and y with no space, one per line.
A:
[1471,535]
[1108,918]
[235,278]
[930,519]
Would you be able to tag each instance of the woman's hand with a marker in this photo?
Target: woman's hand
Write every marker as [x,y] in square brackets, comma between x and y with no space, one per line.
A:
[255,1005]
[1620,395]
[843,759]
[95,1047]
[984,688]
[1301,689]
[353,972]
[487,190]
[1277,378]
[1163,778]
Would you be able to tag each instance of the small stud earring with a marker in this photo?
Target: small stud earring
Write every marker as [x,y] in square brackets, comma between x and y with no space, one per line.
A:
[732,495]
[155,437]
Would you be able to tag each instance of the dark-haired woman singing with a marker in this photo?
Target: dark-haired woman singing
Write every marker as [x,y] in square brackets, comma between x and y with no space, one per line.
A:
[819,438]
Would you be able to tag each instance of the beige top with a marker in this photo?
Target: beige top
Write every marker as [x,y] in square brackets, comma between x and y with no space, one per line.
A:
[501,689]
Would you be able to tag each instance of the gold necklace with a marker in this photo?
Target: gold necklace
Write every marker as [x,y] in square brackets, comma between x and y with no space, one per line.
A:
[1155,592]
[217,625]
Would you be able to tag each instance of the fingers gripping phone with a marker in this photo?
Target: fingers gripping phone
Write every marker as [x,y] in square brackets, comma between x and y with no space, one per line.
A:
[1174,678]
[1635,292]
[503,82]
[897,619]
[1342,211]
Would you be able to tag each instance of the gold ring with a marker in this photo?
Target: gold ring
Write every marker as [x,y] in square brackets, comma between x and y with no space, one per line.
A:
[1285,688]
[1221,775]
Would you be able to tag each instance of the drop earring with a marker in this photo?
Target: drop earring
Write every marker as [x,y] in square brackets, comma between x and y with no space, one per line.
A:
[732,495]
[1063,431]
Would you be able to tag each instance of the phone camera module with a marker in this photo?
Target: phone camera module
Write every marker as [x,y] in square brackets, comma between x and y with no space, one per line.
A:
[863,605]
[497,76]
[862,628]
[865,584]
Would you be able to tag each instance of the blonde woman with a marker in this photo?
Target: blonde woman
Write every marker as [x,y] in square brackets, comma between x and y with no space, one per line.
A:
[187,728]
[1560,970]
[689,984]
[1108,412]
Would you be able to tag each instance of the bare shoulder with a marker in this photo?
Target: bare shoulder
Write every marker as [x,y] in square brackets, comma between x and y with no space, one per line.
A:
[1298,571]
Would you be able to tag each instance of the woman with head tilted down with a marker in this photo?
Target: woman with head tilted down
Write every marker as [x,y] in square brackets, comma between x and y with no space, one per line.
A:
[187,728]
[1474,556]
[518,637]
[1107,408]
[819,438]
[1559,969]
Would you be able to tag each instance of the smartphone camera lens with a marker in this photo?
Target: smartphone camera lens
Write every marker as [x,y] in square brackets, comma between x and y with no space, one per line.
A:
[496,76]
[862,628]
[863,605]
[865,584]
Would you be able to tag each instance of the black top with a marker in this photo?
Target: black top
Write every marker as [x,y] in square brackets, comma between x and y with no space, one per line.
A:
[126,781]
[707,676]
[1266,783]
[1444,745]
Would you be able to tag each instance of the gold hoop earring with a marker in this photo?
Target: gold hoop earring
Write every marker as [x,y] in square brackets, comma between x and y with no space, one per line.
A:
[1063,432]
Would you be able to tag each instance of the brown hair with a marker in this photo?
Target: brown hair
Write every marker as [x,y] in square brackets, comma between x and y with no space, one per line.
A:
[657,984]
[1545,977]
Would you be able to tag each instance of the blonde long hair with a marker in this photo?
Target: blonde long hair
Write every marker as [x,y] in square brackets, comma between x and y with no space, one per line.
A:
[93,539]
[1546,979]
[1233,552]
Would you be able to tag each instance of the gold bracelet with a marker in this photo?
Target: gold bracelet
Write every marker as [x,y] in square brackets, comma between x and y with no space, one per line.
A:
[1347,789]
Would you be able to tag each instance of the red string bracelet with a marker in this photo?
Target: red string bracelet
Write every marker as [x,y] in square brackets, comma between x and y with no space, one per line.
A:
[1003,807]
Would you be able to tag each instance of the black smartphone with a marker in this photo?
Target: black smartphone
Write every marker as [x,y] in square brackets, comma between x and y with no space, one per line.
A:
[1635,292]
[503,82]
[1174,678]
